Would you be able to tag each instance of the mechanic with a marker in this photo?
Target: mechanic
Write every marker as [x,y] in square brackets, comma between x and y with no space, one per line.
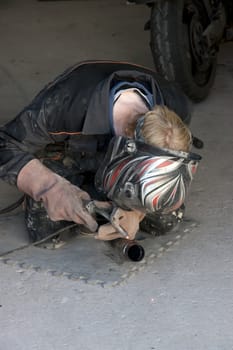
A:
[80,112]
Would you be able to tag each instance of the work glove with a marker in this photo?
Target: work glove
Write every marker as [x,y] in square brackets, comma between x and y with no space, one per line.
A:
[61,199]
[128,220]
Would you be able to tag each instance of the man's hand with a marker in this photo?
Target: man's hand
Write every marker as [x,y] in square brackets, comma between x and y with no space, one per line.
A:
[128,220]
[62,200]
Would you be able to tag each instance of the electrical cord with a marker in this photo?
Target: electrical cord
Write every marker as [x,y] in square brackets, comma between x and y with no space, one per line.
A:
[40,241]
[15,205]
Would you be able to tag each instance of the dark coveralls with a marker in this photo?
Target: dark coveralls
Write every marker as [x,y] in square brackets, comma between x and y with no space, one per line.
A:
[72,113]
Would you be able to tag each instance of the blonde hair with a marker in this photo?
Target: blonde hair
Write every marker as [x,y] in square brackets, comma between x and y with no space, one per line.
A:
[162,127]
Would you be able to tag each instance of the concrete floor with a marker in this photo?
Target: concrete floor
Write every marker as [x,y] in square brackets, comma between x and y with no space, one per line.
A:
[183,300]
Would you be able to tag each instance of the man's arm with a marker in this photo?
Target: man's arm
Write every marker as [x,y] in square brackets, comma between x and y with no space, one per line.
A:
[28,133]
[61,199]
[23,136]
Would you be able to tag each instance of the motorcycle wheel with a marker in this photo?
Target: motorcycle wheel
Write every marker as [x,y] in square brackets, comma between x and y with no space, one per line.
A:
[178,52]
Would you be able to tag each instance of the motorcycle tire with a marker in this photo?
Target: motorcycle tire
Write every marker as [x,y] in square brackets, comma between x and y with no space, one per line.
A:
[178,52]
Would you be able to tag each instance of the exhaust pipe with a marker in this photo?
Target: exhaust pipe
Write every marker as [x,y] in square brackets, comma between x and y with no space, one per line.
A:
[130,250]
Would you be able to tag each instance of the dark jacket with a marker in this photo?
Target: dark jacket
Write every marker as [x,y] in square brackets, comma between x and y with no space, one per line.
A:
[76,103]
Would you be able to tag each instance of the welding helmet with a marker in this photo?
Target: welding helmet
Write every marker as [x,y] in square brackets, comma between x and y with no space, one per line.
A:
[135,175]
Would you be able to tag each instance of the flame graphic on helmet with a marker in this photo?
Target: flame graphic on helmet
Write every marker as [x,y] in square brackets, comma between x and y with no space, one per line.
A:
[163,181]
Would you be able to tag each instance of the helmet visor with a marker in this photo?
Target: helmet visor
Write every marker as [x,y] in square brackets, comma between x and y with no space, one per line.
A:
[135,175]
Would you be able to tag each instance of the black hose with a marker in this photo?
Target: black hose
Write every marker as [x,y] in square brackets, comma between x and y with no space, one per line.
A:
[40,241]
[12,206]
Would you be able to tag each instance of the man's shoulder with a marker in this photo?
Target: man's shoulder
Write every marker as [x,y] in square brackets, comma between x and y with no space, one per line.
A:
[103,68]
